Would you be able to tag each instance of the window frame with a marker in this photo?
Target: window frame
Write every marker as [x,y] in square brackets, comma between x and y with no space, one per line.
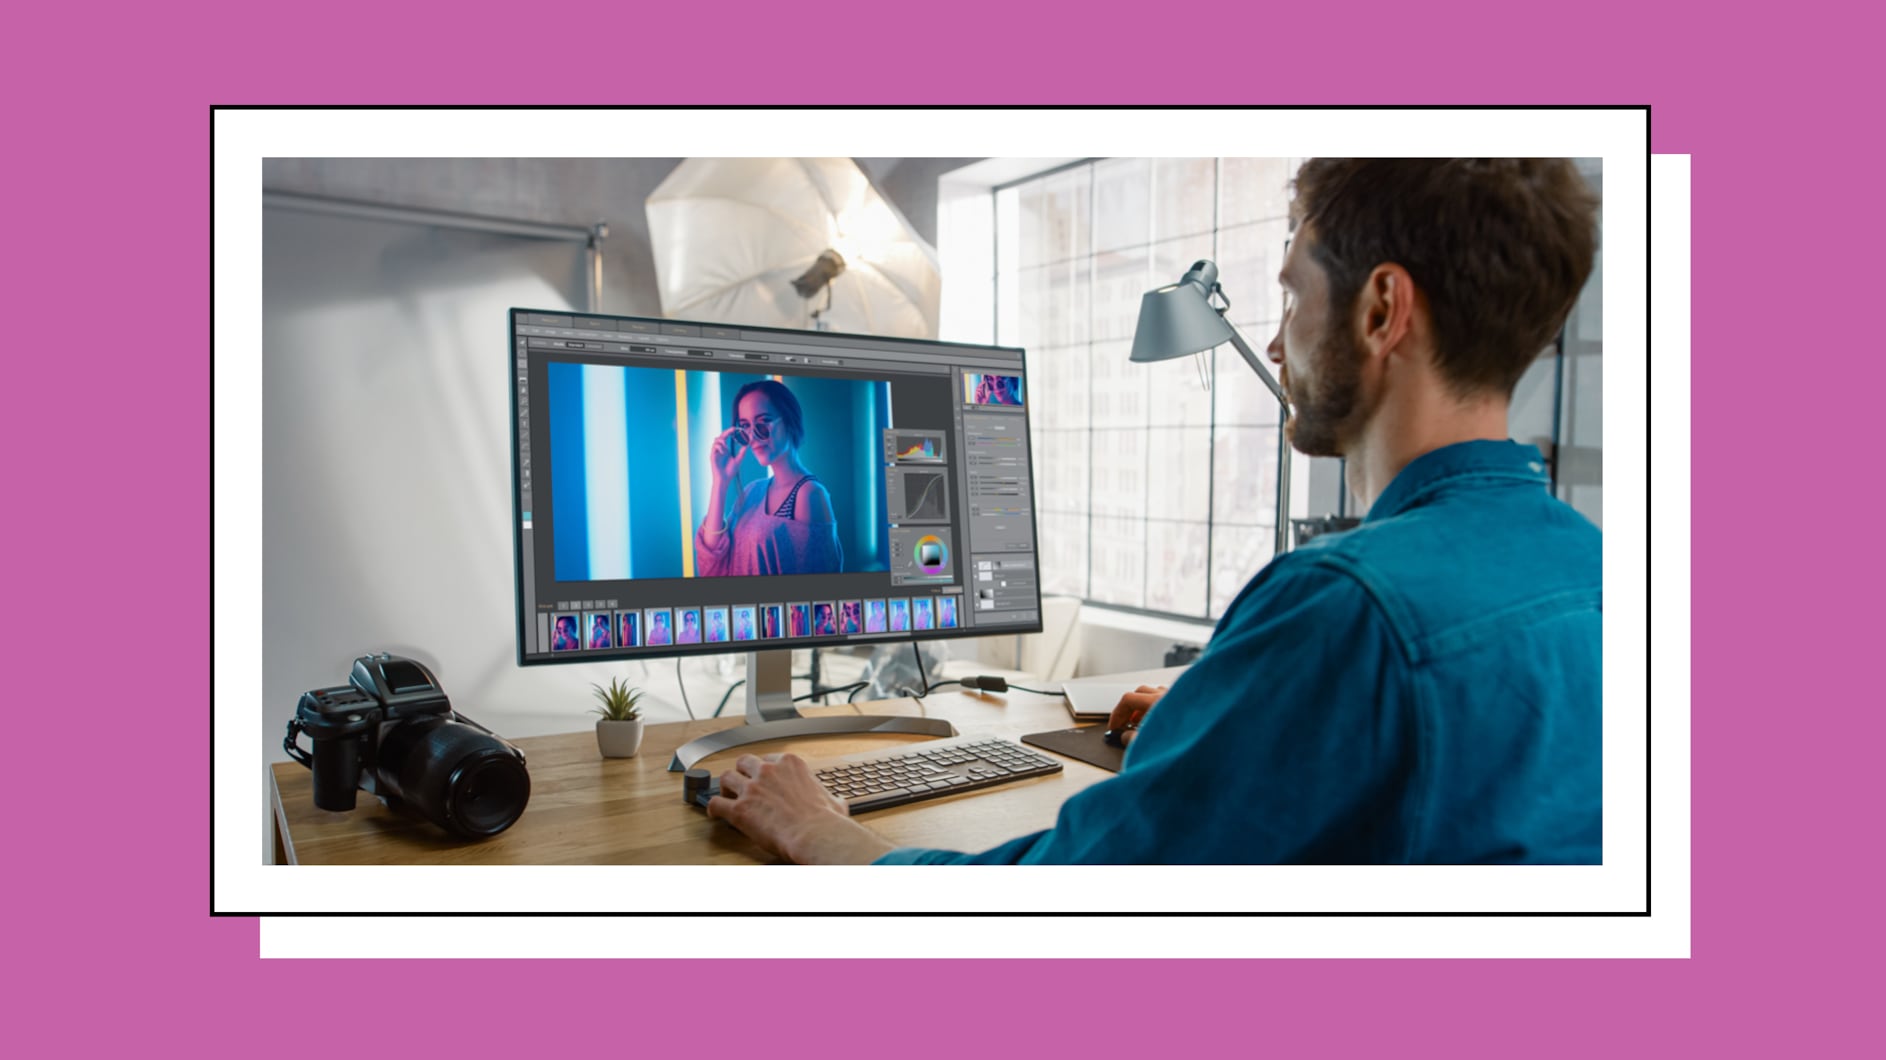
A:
[1212,523]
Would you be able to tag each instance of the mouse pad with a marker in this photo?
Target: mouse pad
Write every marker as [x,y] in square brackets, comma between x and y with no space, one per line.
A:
[1086,744]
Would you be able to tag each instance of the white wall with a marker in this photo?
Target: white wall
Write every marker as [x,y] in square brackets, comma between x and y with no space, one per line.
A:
[566,191]
[386,456]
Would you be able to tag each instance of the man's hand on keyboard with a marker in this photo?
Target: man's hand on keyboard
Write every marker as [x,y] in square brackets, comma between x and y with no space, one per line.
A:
[1132,709]
[778,803]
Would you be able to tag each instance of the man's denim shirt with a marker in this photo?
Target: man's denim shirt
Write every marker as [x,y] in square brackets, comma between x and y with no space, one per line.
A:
[1423,688]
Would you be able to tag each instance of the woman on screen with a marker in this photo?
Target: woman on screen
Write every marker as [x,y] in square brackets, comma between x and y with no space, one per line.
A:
[782,524]
[564,639]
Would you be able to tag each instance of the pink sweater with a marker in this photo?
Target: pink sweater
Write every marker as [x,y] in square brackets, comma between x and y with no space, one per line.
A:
[758,542]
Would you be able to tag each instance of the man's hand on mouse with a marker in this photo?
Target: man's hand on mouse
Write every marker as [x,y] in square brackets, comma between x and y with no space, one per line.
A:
[778,803]
[1123,723]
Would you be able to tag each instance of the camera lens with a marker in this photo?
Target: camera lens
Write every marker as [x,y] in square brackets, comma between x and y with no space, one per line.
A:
[460,778]
[487,793]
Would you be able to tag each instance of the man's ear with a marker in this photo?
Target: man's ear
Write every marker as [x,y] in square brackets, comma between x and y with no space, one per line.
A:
[1386,309]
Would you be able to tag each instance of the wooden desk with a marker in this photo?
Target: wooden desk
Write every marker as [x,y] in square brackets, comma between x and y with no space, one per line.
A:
[587,809]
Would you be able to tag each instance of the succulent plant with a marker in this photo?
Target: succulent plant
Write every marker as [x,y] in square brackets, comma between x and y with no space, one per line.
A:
[619,701]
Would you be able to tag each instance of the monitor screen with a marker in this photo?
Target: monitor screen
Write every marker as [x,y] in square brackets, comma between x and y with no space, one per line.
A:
[685,488]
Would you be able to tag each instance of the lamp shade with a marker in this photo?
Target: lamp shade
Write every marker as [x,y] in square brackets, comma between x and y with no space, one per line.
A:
[1178,320]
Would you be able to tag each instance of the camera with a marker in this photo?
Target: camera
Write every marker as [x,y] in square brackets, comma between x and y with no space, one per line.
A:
[391,732]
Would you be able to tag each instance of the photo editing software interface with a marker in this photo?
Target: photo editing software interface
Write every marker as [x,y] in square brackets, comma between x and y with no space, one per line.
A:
[685,487]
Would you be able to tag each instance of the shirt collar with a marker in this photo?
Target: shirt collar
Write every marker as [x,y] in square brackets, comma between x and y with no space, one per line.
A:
[1507,461]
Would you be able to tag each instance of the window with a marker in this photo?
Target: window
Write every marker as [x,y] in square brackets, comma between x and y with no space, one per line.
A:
[1156,493]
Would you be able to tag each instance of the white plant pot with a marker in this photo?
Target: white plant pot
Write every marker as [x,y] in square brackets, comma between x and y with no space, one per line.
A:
[619,739]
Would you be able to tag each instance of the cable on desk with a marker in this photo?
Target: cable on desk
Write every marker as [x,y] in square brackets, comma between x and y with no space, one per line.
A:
[817,692]
[921,675]
[684,689]
[728,696]
[993,684]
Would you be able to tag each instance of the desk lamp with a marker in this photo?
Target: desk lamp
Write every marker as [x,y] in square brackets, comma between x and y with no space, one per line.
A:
[1180,319]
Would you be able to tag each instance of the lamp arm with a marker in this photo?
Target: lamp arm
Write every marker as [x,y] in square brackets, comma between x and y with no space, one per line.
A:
[1257,365]
[1282,543]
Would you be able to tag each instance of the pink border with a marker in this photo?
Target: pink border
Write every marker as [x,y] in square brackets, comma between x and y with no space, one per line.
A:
[112,947]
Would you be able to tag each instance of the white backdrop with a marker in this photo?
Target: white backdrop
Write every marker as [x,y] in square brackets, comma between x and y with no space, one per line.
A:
[386,463]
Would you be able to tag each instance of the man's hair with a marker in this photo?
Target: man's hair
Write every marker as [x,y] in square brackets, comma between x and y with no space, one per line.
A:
[1501,248]
[790,417]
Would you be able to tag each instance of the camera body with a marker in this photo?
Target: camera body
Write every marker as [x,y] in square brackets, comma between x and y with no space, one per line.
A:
[391,732]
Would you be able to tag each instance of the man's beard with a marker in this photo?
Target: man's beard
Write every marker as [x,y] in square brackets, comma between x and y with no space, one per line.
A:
[1325,416]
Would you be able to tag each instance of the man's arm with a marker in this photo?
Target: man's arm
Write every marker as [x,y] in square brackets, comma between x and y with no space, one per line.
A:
[1289,740]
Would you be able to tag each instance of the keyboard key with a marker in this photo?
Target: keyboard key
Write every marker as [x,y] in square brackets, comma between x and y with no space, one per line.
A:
[881,799]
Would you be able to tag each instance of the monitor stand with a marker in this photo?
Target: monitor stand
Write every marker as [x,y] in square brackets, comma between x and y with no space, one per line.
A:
[772,716]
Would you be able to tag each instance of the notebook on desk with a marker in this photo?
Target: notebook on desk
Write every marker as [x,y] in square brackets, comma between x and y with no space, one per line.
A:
[1095,697]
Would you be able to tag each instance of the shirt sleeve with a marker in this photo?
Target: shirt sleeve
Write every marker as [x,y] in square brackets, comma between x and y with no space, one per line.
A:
[1289,740]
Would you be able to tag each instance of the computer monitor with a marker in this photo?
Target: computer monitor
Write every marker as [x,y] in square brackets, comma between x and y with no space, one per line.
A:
[688,488]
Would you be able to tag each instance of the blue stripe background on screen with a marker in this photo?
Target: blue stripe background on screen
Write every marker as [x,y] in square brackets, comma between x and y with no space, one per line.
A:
[593,410]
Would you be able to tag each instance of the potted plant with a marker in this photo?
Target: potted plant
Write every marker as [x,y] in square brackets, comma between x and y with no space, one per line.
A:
[619,733]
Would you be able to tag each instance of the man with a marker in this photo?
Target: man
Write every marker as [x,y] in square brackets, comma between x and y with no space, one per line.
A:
[1424,688]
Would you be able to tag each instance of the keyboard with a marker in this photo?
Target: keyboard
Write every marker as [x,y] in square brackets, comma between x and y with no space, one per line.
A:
[932,772]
